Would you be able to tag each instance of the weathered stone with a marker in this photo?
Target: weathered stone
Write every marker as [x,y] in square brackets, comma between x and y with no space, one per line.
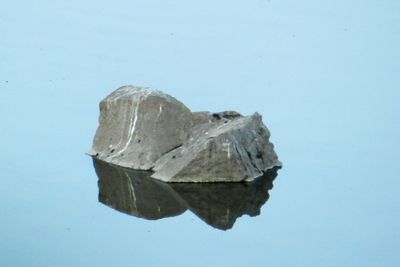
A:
[145,129]
[138,125]
[218,204]
[220,151]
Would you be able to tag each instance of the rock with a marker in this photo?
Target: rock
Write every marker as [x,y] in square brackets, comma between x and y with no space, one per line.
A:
[145,129]
[220,151]
[218,204]
[139,125]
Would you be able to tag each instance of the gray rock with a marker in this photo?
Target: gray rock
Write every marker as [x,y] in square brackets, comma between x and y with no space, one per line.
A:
[145,129]
[139,125]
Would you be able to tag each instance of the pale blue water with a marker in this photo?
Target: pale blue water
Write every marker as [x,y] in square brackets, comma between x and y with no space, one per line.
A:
[324,75]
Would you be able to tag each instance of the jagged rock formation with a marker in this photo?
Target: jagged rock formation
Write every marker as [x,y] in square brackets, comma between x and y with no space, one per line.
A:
[218,204]
[145,129]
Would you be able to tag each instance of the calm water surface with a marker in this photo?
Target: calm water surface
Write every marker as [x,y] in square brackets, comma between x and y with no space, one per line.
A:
[324,76]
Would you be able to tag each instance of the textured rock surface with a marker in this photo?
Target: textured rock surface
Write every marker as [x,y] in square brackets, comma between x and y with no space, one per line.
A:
[218,204]
[223,150]
[145,129]
[139,125]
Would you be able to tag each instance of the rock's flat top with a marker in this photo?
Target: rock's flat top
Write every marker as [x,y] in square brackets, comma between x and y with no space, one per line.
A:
[145,129]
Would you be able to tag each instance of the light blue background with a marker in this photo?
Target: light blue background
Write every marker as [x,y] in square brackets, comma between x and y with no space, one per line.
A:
[325,75]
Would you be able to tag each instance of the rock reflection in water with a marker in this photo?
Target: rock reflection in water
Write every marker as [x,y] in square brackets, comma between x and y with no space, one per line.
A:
[218,204]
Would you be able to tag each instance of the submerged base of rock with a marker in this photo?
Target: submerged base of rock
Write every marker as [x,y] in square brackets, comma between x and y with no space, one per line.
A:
[145,129]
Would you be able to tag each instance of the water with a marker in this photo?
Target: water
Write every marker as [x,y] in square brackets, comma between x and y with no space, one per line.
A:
[324,76]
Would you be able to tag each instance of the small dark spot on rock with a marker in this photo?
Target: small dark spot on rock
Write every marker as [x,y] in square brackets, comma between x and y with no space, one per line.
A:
[97,154]
[139,141]
[174,157]
[230,114]
[112,150]
[216,116]
[248,154]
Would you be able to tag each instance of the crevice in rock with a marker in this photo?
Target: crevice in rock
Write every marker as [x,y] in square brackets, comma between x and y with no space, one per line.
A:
[176,147]
[251,159]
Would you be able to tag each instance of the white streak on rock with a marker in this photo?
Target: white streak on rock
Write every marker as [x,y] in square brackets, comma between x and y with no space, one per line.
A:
[227,148]
[133,123]
[132,190]
[160,111]
[132,127]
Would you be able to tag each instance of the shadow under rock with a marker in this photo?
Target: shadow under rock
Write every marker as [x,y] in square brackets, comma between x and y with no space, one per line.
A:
[135,193]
